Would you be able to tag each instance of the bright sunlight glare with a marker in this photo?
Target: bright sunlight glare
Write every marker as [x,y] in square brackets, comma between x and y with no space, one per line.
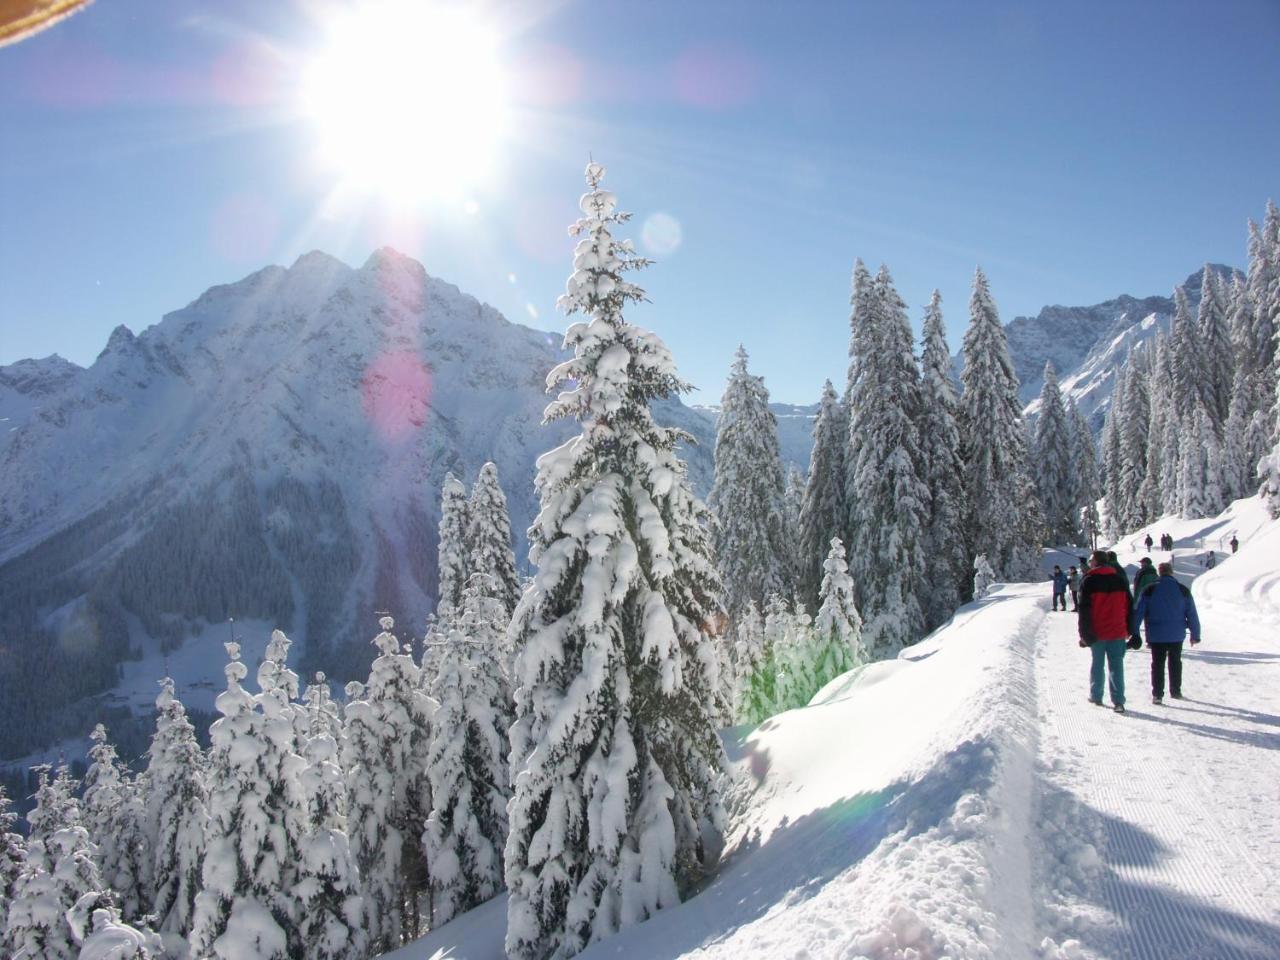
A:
[408,99]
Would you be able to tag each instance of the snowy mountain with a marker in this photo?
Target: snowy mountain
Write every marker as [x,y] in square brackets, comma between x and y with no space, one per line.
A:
[1087,345]
[272,452]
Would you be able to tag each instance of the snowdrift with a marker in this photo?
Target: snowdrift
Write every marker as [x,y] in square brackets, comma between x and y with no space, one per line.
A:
[889,816]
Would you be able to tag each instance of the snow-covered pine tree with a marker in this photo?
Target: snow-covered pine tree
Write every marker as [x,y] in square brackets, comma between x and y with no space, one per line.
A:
[60,867]
[1184,358]
[864,333]
[1158,410]
[466,830]
[13,854]
[992,446]
[387,734]
[747,496]
[1264,293]
[748,656]
[1217,360]
[792,505]
[890,502]
[1195,482]
[1134,429]
[246,908]
[1053,465]
[489,538]
[837,629]
[453,554]
[176,808]
[983,576]
[942,472]
[615,759]
[1113,460]
[101,934]
[822,512]
[114,815]
[795,657]
[1084,475]
[326,881]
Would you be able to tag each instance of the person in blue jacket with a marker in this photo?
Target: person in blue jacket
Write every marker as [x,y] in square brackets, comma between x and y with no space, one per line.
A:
[1168,612]
[1059,589]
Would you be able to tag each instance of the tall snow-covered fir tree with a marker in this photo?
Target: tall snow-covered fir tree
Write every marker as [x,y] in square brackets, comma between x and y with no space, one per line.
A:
[1054,470]
[331,912]
[1084,473]
[246,910]
[60,867]
[614,753]
[176,808]
[795,658]
[837,628]
[1264,293]
[386,739]
[993,449]
[466,829]
[748,657]
[1184,358]
[13,854]
[890,502]
[453,552]
[114,815]
[941,471]
[1158,411]
[1217,357]
[863,331]
[1134,443]
[822,514]
[747,495]
[489,538]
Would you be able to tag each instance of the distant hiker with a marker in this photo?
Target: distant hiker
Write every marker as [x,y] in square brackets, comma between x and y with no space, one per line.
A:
[1073,584]
[1059,588]
[1119,567]
[1168,612]
[1148,542]
[1166,542]
[1235,544]
[1105,609]
[1211,560]
[1146,576]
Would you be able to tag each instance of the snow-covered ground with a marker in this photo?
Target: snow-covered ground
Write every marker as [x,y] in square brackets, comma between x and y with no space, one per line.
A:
[966,801]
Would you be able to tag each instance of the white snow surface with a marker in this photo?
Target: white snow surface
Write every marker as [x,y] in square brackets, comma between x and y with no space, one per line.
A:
[965,801]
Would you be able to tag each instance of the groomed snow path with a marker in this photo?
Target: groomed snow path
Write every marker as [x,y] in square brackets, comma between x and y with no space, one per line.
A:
[1159,829]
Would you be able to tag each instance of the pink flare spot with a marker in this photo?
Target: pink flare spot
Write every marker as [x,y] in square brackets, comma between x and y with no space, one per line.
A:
[547,77]
[244,229]
[395,394]
[715,76]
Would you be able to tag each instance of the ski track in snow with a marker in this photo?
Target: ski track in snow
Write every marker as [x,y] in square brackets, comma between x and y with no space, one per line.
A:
[1156,828]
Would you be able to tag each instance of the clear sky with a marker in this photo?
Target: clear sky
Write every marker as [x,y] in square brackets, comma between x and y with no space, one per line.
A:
[1075,150]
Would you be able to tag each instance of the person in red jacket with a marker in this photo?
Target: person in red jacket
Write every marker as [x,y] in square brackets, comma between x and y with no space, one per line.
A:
[1105,608]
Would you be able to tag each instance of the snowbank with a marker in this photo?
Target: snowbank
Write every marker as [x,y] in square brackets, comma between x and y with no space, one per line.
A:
[878,821]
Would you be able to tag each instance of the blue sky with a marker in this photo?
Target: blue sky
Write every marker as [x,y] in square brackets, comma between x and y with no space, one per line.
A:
[1075,150]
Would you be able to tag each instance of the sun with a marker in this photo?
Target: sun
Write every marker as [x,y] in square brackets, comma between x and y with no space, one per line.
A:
[408,99]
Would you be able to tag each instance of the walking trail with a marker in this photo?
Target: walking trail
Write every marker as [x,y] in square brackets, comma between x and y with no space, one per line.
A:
[1157,828]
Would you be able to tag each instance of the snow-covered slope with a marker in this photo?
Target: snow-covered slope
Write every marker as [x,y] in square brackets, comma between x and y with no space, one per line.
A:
[273,451]
[965,800]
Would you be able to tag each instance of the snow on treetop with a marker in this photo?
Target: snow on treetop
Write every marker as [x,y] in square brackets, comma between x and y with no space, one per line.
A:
[386,623]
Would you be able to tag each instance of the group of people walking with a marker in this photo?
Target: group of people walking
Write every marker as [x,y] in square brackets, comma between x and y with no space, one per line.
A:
[1112,617]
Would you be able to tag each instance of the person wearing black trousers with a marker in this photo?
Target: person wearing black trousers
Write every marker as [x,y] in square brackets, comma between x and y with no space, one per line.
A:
[1168,611]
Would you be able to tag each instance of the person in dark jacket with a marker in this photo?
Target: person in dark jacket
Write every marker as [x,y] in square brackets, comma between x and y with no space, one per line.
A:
[1059,588]
[1168,611]
[1145,577]
[1148,542]
[1114,562]
[1105,609]
[1235,544]
[1210,560]
[1073,584]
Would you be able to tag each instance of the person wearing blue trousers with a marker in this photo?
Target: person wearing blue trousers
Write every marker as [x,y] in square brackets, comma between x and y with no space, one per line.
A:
[1105,609]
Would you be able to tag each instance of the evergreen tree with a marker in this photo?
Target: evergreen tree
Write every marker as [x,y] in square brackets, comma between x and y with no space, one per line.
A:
[1113,462]
[822,512]
[59,868]
[1053,463]
[1084,475]
[1195,481]
[942,471]
[837,629]
[245,910]
[1184,358]
[1159,410]
[615,759]
[453,554]
[1134,443]
[746,502]
[176,806]
[993,449]
[327,884]
[490,539]
[890,502]
[386,738]
[114,815]
[13,854]
[1264,293]
[101,934]
[749,655]
[466,829]
[795,659]
[983,576]
[1217,362]
[792,506]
